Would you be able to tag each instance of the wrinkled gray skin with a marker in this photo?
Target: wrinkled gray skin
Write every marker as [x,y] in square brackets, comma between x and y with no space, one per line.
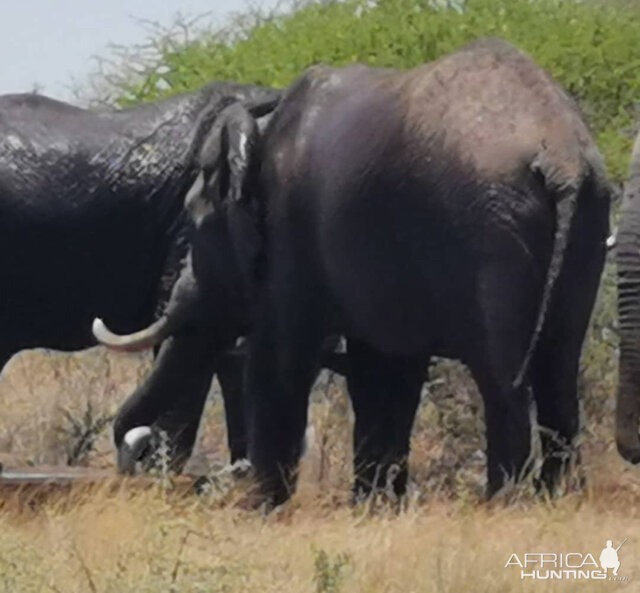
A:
[470,221]
[628,263]
[92,223]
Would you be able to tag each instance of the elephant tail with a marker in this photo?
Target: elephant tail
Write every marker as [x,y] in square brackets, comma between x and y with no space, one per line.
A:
[565,189]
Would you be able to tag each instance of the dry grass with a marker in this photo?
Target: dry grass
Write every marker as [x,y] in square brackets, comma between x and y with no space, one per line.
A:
[42,394]
[153,541]
[123,538]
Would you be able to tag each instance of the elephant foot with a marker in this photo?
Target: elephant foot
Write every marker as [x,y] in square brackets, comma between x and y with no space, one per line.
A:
[386,490]
[557,478]
[232,473]
[235,483]
[561,470]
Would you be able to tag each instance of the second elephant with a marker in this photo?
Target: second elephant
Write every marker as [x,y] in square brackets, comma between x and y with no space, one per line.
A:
[92,223]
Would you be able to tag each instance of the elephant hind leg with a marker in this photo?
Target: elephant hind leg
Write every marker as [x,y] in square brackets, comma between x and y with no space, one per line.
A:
[555,365]
[508,425]
[385,392]
[506,316]
[554,381]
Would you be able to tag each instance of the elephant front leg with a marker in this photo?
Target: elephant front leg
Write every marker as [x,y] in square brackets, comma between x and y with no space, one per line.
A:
[169,402]
[283,361]
[385,393]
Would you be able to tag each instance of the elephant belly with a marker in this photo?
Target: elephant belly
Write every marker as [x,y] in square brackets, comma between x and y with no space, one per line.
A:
[402,296]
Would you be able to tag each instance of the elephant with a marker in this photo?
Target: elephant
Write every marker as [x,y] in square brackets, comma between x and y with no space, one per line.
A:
[627,256]
[469,222]
[92,223]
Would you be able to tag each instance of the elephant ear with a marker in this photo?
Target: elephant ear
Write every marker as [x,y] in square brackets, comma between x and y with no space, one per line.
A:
[225,162]
[223,205]
[227,242]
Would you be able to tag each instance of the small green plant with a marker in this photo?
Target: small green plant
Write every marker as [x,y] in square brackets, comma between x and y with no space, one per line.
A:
[329,573]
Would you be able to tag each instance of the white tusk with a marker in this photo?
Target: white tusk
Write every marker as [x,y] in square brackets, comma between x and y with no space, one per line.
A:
[135,435]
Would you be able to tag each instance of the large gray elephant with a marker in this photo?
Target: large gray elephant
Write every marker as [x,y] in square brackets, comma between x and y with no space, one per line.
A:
[92,223]
[627,244]
[468,221]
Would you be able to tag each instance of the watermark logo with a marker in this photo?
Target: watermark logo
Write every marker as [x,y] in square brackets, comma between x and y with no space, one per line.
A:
[571,566]
[609,557]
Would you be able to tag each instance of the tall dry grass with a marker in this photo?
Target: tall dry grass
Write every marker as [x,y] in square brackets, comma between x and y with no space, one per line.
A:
[153,540]
[120,538]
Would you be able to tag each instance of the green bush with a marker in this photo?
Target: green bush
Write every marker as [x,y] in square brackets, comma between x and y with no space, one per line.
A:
[592,49]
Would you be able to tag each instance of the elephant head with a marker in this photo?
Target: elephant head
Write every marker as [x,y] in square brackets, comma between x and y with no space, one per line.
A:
[215,284]
[628,263]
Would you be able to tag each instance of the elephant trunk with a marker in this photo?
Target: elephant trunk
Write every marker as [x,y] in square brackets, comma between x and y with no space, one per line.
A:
[628,396]
[628,412]
[628,263]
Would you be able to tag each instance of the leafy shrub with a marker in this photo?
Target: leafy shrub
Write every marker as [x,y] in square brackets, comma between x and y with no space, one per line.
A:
[592,49]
